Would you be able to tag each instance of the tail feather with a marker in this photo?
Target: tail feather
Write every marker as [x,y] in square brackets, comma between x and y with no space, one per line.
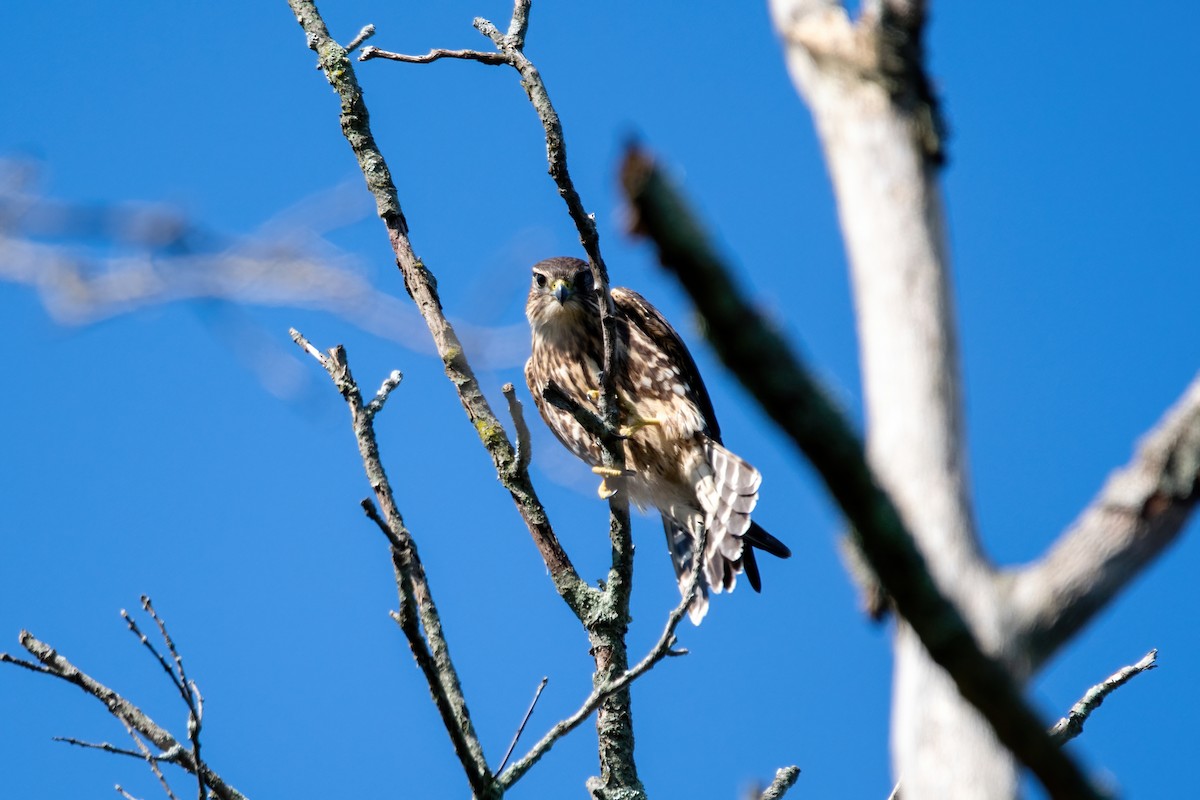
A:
[680,544]
[726,490]
[756,536]
[750,565]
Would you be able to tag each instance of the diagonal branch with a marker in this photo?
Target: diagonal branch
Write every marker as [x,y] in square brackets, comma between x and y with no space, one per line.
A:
[417,608]
[785,778]
[510,49]
[1071,725]
[1140,511]
[767,365]
[663,648]
[521,728]
[51,662]
[422,287]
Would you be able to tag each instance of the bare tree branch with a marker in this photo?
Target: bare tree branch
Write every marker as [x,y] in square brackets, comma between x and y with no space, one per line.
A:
[756,353]
[1141,510]
[431,650]
[136,722]
[1071,725]
[606,620]
[521,728]
[663,648]
[152,763]
[108,747]
[90,262]
[369,53]
[785,778]
[524,443]
[422,287]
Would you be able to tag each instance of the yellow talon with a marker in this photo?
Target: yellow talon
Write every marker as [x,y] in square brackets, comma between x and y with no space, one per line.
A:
[605,491]
[636,424]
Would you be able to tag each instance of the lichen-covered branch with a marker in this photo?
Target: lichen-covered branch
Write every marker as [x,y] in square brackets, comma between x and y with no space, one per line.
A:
[785,778]
[422,287]
[607,623]
[767,365]
[619,683]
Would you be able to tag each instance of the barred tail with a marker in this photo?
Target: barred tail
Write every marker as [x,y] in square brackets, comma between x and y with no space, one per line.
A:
[726,491]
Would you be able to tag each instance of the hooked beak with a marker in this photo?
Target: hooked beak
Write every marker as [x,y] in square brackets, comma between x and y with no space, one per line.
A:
[562,291]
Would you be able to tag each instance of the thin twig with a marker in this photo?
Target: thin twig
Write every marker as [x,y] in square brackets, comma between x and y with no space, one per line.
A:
[369,53]
[752,348]
[524,444]
[1071,725]
[133,718]
[663,648]
[389,385]
[131,623]
[107,747]
[521,728]
[366,33]
[151,762]
[187,690]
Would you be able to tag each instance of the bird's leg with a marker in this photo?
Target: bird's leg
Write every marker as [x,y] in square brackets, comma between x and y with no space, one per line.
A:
[605,491]
[634,424]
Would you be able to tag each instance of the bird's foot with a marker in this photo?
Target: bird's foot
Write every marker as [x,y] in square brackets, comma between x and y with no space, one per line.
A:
[604,490]
[636,424]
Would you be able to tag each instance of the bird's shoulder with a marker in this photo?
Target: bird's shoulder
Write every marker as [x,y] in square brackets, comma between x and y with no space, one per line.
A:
[639,313]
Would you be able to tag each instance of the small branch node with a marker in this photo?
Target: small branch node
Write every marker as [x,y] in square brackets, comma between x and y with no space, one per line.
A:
[489,30]
[366,33]
[517,412]
[389,385]
[785,778]
[307,347]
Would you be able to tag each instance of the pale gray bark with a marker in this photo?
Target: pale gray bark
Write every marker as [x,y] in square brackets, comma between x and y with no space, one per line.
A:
[891,215]
[864,83]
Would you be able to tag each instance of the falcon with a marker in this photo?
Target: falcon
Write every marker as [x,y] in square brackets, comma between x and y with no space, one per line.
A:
[675,461]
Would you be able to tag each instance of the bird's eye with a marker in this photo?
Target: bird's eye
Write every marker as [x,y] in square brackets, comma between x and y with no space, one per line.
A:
[540,280]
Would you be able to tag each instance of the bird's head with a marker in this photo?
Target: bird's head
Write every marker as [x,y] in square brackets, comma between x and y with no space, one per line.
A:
[562,292]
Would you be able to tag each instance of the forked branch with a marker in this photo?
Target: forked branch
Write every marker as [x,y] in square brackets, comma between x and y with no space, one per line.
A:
[142,729]
[417,608]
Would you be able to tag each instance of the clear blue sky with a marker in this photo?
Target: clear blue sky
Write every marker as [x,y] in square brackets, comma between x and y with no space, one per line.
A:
[149,453]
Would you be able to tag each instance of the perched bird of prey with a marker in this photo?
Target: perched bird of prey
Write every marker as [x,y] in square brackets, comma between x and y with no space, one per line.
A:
[673,453]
